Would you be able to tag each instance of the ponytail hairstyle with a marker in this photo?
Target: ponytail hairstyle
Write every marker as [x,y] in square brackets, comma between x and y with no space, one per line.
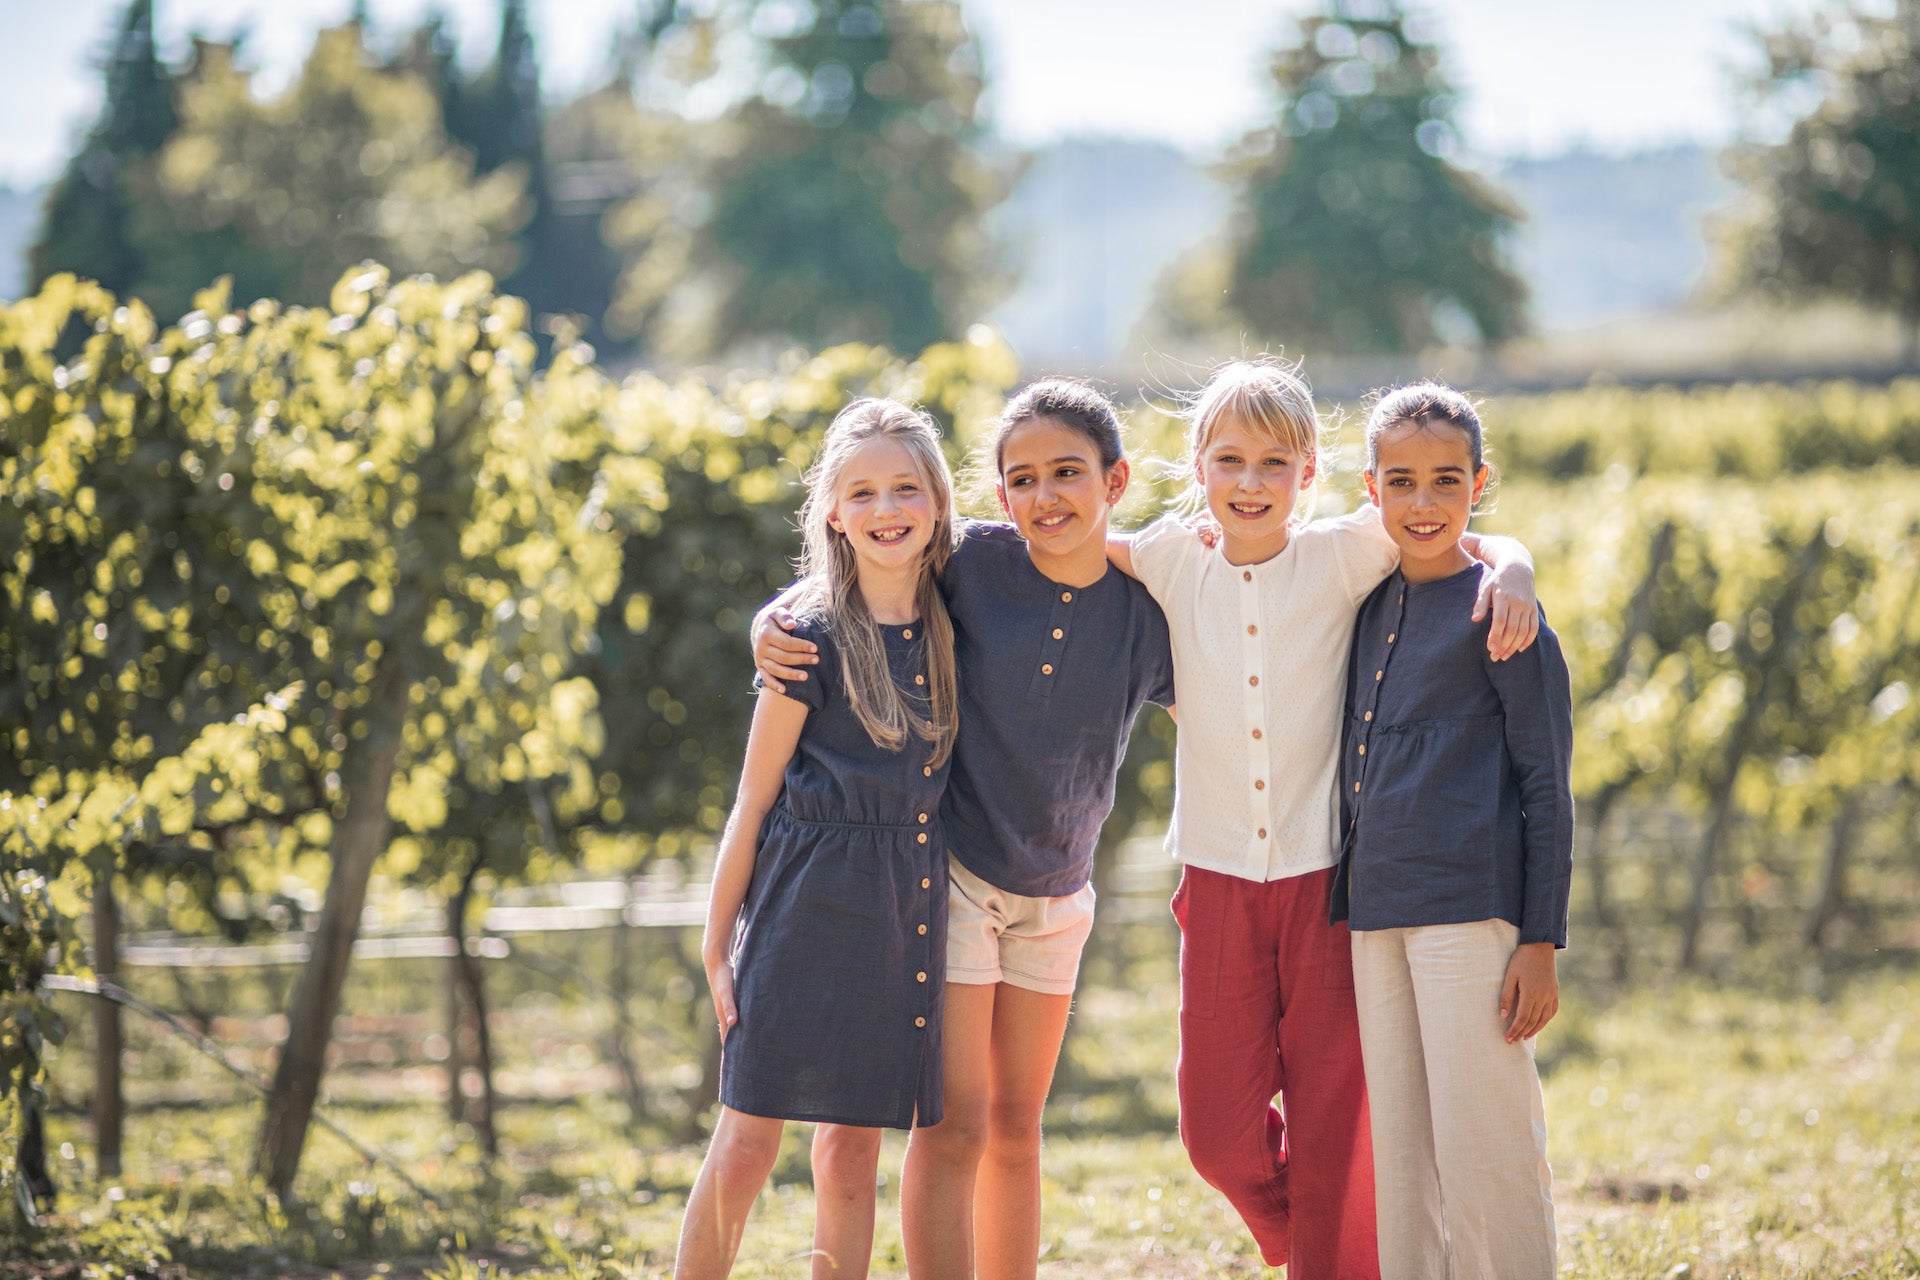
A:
[1071,403]
[1429,406]
[831,582]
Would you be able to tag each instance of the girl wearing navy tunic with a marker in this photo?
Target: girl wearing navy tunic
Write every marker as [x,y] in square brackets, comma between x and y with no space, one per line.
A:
[1455,778]
[826,930]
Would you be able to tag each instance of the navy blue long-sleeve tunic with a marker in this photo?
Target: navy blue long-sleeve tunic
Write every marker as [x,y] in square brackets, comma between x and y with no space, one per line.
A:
[1455,770]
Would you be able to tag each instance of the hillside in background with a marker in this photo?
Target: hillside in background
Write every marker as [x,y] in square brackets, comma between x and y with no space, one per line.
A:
[1610,237]
[1088,229]
[1609,242]
[1093,222]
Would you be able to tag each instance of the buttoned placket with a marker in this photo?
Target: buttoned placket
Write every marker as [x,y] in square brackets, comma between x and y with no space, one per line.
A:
[1371,705]
[922,818]
[926,907]
[1254,712]
[1054,645]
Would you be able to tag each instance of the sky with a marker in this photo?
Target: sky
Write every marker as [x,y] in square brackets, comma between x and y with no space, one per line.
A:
[1539,76]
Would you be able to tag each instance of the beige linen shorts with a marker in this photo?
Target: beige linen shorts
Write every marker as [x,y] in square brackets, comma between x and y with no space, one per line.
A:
[996,936]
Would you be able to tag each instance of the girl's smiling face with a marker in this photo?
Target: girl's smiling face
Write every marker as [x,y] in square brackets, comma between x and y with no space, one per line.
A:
[1252,484]
[1054,489]
[883,506]
[1426,484]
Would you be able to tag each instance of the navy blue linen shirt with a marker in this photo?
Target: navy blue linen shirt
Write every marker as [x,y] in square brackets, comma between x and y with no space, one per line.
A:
[1050,679]
[1455,770]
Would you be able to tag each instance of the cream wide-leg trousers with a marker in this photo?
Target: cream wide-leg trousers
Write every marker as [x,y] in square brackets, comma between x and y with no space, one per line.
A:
[1459,1125]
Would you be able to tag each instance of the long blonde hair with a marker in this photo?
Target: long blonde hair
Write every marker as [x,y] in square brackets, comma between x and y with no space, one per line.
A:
[831,580]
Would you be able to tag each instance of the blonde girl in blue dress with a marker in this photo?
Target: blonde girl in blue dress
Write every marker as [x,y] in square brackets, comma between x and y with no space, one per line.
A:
[826,930]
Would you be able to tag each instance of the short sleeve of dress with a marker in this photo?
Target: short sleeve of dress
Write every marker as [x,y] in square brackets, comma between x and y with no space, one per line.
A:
[1362,549]
[1162,552]
[813,691]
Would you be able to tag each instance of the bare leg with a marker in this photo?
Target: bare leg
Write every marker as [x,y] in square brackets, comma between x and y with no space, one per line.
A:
[738,1161]
[937,1184]
[1027,1030]
[845,1159]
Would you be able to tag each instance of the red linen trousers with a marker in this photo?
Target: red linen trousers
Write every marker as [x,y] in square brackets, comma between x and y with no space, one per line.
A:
[1266,1008]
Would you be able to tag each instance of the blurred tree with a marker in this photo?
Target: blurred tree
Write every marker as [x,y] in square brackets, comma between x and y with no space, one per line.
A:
[619,168]
[1835,208]
[1353,228]
[430,54]
[585,159]
[350,163]
[850,200]
[502,120]
[630,172]
[632,168]
[86,227]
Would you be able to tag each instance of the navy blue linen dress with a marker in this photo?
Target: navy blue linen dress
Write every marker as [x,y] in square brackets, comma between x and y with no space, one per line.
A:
[841,958]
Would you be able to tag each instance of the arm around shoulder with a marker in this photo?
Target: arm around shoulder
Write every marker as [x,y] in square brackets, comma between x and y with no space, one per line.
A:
[1364,552]
[778,656]
[1507,591]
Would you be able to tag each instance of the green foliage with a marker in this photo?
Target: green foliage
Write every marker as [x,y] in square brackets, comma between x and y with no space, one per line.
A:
[1737,648]
[1836,204]
[850,207]
[358,500]
[350,163]
[127,1241]
[129,598]
[87,228]
[1353,231]
[1753,431]
[54,840]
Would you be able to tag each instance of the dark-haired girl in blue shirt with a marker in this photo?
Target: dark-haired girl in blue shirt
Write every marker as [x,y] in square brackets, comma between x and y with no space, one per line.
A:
[1455,876]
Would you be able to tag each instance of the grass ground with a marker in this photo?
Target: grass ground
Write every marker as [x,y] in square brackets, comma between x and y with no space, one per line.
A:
[1752,1130]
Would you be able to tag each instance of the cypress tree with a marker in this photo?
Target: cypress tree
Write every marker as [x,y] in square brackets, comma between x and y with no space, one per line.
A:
[853,209]
[87,225]
[1353,225]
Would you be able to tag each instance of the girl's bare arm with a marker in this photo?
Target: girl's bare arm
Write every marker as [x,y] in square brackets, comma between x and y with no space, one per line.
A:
[777,721]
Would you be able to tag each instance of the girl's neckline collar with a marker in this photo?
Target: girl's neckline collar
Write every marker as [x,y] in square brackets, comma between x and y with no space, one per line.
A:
[1107,570]
[1472,570]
